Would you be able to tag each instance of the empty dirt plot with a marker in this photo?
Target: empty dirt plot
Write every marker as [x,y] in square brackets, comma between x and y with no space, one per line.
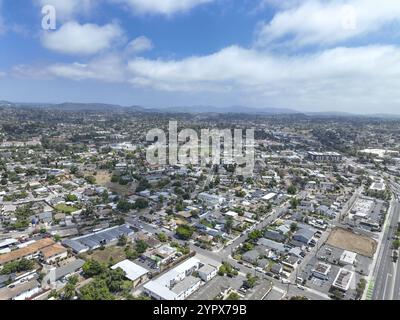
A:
[350,241]
[103,177]
[117,254]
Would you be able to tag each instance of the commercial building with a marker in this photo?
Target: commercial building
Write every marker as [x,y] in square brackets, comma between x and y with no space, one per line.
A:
[207,272]
[54,253]
[21,291]
[95,240]
[343,280]
[270,196]
[348,258]
[30,251]
[55,274]
[321,271]
[176,284]
[211,200]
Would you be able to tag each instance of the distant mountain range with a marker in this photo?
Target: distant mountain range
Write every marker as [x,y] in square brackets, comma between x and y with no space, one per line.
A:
[233,109]
[72,106]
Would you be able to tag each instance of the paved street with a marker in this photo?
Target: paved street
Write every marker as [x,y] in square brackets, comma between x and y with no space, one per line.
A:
[386,276]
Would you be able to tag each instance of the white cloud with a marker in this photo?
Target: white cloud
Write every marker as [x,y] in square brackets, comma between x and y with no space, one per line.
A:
[336,78]
[68,9]
[326,22]
[87,39]
[342,78]
[163,7]
[109,69]
[30,72]
[355,79]
[140,44]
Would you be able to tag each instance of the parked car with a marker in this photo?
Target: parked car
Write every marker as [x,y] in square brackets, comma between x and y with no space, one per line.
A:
[299,280]
[395,256]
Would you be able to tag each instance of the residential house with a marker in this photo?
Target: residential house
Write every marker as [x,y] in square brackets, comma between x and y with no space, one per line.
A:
[274,235]
[304,236]
[251,256]
[54,253]
[133,272]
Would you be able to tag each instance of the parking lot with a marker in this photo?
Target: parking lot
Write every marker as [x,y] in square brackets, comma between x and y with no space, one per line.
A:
[331,256]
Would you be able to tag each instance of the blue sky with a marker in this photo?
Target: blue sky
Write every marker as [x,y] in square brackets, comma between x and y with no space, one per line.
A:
[311,55]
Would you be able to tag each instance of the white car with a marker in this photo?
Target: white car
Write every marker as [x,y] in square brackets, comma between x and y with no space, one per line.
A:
[286,281]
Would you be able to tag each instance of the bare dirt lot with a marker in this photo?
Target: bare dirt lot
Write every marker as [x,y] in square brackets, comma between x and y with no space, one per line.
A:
[122,190]
[116,253]
[103,177]
[347,240]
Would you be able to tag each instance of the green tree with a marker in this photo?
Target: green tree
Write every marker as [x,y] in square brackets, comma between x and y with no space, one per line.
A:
[233,297]
[17,266]
[122,241]
[229,224]
[74,170]
[360,288]
[247,247]
[294,203]
[71,198]
[141,246]
[293,227]
[124,205]
[131,253]
[240,193]
[93,268]
[292,190]
[255,235]
[141,203]
[96,290]
[251,281]
[91,179]
[70,288]
[162,237]
[184,232]
[114,279]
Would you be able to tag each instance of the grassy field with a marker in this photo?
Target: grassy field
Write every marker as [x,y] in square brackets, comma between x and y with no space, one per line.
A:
[114,252]
[350,241]
[65,209]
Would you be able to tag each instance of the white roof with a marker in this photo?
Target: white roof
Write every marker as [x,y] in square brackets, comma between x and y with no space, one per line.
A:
[9,207]
[231,214]
[132,270]
[348,257]
[161,285]
[343,279]
[269,196]
[160,290]
[7,242]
